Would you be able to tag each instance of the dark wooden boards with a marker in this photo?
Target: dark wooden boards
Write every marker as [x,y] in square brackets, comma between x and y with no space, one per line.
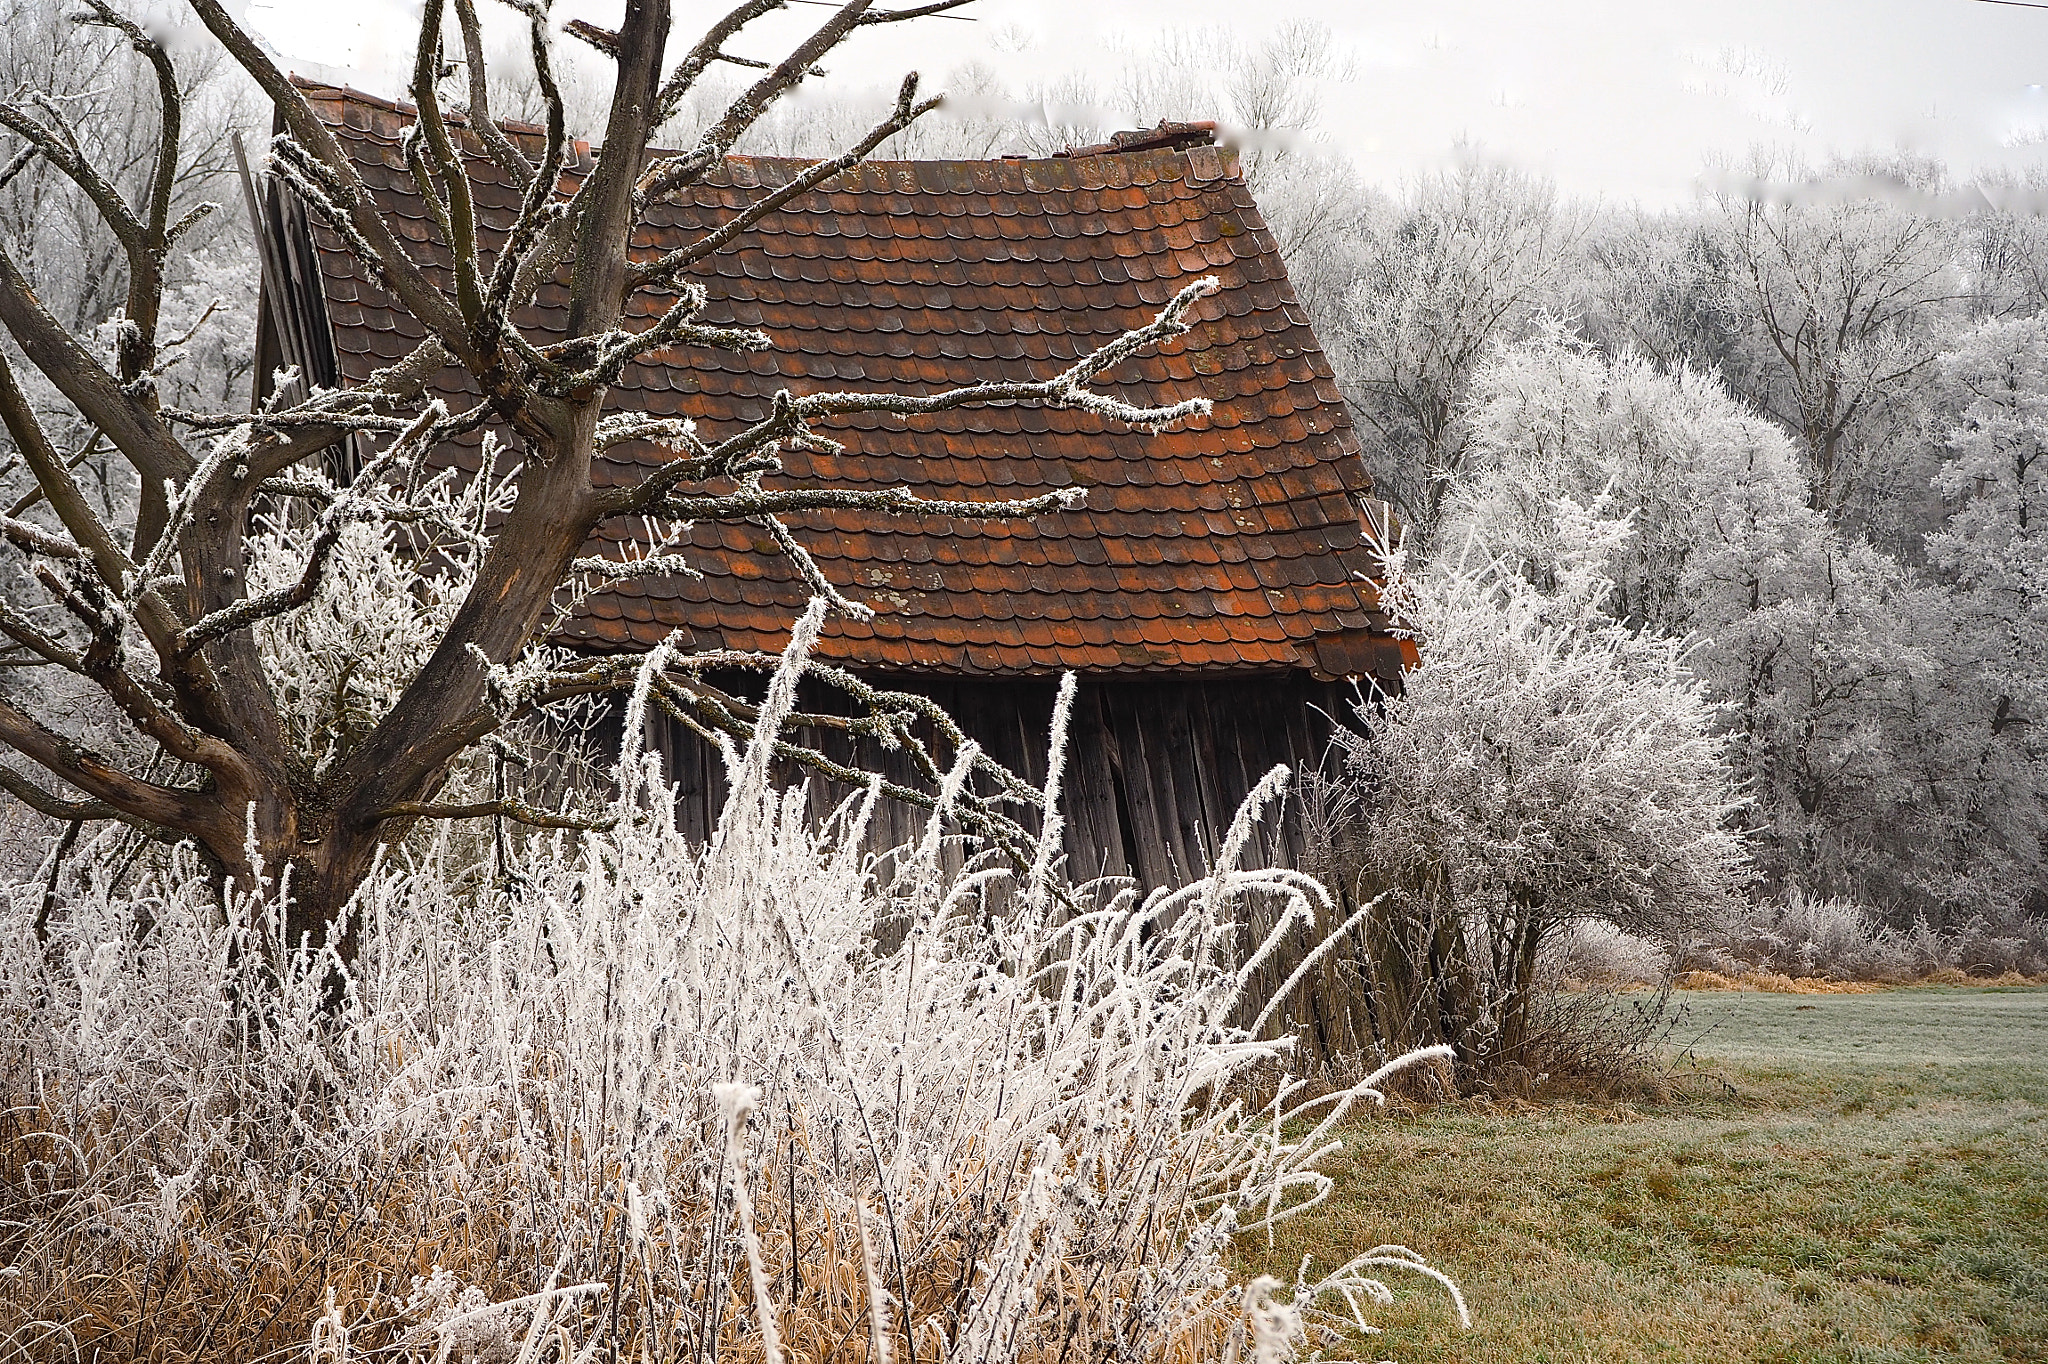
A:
[1156,769]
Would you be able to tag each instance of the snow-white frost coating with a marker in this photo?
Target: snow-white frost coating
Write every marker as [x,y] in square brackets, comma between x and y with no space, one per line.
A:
[767,1098]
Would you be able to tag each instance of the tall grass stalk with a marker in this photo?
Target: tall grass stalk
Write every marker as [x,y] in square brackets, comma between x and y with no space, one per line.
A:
[644,1099]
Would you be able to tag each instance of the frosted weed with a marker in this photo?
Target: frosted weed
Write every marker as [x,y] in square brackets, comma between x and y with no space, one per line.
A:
[680,1102]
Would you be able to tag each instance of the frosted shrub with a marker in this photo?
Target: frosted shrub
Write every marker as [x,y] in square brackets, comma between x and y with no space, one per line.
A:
[1594,952]
[1542,765]
[1838,939]
[672,1101]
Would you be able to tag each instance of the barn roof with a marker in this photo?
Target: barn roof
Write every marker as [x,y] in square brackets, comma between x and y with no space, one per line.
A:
[1227,543]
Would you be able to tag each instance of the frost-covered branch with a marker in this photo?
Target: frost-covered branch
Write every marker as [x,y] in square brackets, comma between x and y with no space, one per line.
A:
[792,415]
[352,504]
[517,811]
[660,272]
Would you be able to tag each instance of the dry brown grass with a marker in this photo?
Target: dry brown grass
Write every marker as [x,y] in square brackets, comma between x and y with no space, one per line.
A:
[1773,982]
[236,1277]
[242,1278]
[1776,983]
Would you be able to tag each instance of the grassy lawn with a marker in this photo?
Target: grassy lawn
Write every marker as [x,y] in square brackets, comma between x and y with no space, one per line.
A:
[1844,1177]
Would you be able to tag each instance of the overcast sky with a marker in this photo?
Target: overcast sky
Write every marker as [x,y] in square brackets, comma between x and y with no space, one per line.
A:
[1620,98]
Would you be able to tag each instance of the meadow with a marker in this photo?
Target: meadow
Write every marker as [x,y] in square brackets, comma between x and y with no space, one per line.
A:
[1855,1177]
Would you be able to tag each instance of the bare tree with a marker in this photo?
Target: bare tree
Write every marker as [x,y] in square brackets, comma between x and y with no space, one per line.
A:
[1841,291]
[1443,278]
[165,616]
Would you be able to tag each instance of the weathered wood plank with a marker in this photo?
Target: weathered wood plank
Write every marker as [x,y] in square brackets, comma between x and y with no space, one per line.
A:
[1095,841]
[1156,769]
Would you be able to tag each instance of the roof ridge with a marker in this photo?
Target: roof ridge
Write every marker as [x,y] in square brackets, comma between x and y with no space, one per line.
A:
[1168,136]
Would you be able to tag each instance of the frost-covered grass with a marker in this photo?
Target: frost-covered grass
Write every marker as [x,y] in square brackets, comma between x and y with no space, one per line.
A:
[1842,1178]
[645,1100]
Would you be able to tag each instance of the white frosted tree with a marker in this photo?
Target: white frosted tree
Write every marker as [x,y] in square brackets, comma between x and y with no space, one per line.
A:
[1672,452]
[1543,764]
[1841,289]
[1995,541]
[1875,713]
[1463,263]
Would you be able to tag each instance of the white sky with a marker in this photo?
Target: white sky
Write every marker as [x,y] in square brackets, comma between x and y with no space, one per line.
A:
[1620,98]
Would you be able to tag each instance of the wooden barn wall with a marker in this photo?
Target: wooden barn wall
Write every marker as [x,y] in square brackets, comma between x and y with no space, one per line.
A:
[1156,769]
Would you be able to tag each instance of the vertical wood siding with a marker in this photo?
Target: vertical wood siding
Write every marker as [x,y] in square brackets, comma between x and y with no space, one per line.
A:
[1156,769]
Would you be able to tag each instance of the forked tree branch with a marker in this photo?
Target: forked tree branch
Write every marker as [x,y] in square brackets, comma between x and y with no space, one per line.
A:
[791,417]
[409,284]
[129,423]
[666,176]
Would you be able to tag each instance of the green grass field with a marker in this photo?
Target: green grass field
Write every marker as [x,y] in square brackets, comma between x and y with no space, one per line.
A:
[1843,1177]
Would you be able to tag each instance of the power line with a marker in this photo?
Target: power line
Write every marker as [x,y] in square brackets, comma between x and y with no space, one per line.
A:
[2016,4]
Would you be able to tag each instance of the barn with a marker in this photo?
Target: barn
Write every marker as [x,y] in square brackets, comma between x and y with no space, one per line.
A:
[1213,593]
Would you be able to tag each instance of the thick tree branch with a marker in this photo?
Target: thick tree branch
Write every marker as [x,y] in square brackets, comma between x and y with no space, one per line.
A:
[81,767]
[156,220]
[517,811]
[409,284]
[429,127]
[606,200]
[53,478]
[503,151]
[25,633]
[129,423]
[53,136]
[354,503]
[28,536]
[56,807]
[708,51]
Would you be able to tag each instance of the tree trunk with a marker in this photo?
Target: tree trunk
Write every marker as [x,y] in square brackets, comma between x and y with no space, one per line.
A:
[1518,1005]
[326,871]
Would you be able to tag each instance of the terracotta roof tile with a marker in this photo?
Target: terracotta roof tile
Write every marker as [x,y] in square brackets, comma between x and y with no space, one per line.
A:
[1230,543]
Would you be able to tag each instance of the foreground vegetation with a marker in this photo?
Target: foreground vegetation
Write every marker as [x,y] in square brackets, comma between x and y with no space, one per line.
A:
[1839,1177]
[751,1101]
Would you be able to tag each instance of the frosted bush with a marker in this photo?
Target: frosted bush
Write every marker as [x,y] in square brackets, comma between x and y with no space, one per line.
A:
[388,592]
[1839,939]
[755,1100]
[1593,952]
